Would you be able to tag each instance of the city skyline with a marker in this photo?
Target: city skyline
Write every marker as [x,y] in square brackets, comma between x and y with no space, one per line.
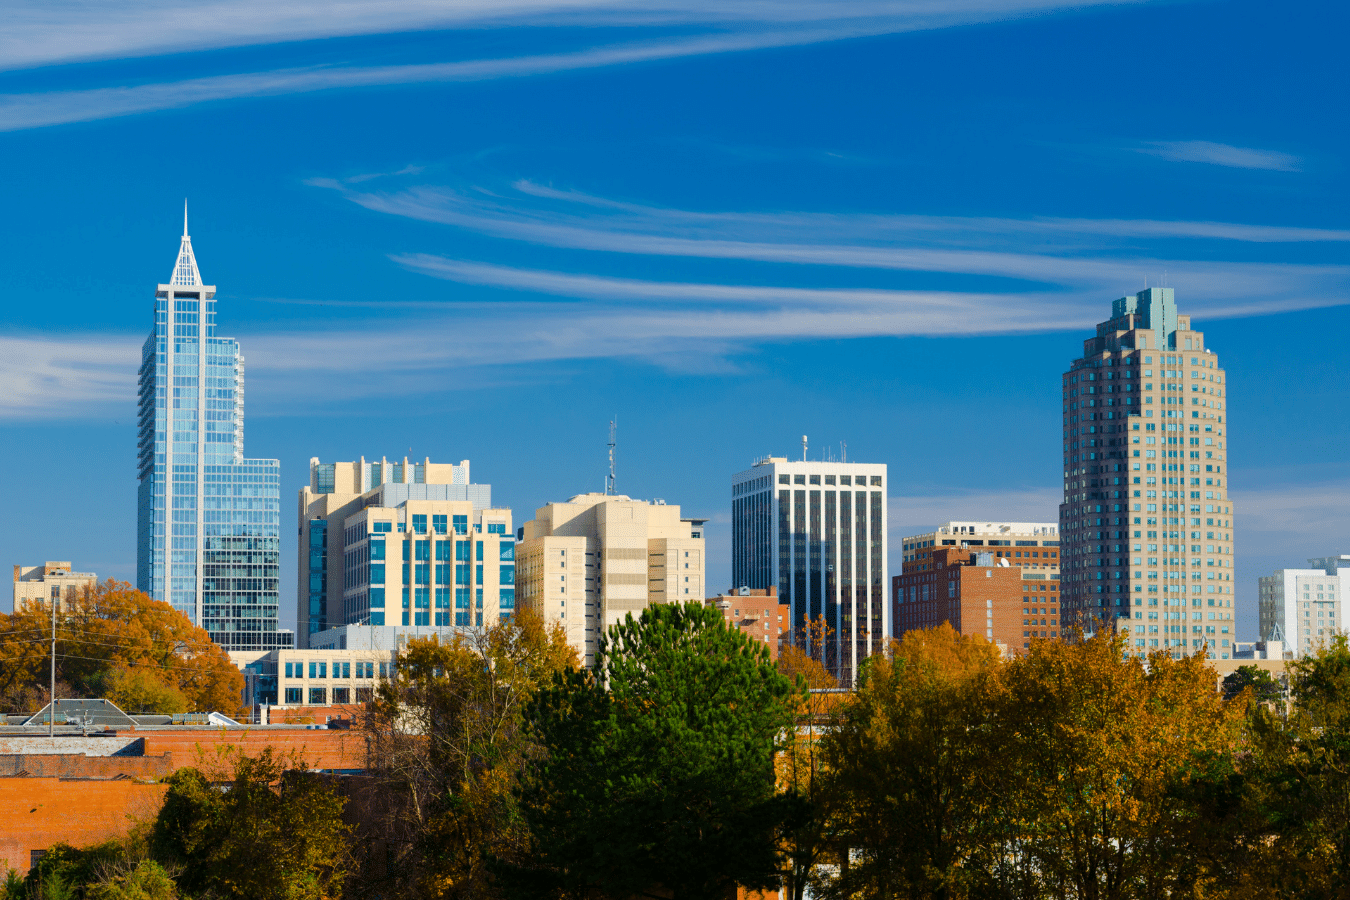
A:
[483,240]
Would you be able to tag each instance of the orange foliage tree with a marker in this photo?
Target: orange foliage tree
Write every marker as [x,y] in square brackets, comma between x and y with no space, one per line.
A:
[114,641]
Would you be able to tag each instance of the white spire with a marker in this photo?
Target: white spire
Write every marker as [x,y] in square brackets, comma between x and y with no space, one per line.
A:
[185,272]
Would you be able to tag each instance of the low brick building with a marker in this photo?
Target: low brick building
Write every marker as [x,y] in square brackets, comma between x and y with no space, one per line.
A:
[977,593]
[81,789]
[757,612]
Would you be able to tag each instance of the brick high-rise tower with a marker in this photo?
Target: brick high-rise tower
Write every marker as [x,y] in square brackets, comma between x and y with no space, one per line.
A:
[1146,526]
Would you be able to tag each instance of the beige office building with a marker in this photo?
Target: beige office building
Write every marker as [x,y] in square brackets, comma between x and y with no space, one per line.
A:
[53,580]
[1147,522]
[401,544]
[591,561]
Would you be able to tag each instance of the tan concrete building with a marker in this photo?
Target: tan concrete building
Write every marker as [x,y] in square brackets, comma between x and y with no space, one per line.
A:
[757,612]
[591,561]
[401,544]
[1147,520]
[53,580]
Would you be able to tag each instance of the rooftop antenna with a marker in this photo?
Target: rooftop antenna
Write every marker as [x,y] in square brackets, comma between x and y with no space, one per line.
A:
[803,448]
[613,430]
[185,231]
[843,452]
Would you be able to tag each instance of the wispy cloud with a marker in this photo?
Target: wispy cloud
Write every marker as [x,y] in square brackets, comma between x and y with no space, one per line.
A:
[37,110]
[1224,155]
[35,32]
[61,377]
[1060,264]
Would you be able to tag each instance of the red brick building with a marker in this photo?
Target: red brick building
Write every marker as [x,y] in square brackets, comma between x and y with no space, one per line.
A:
[976,592]
[757,612]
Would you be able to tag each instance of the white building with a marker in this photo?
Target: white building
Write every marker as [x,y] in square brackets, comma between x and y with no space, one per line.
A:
[1304,608]
[817,532]
[587,563]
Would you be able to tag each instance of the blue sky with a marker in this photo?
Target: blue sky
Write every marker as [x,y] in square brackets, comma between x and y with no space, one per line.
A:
[480,233]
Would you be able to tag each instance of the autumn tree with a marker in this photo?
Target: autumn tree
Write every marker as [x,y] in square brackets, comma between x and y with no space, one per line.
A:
[116,642]
[909,762]
[274,833]
[655,777]
[800,765]
[446,743]
[1101,759]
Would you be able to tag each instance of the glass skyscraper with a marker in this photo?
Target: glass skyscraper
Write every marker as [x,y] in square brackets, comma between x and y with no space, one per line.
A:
[207,518]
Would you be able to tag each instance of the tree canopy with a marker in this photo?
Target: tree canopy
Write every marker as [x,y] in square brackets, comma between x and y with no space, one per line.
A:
[116,642]
[655,774]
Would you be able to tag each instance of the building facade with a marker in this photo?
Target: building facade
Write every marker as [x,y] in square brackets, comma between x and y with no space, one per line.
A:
[757,613]
[1305,608]
[1147,523]
[52,581]
[996,579]
[395,544]
[208,520]
[588,563]
[817,532]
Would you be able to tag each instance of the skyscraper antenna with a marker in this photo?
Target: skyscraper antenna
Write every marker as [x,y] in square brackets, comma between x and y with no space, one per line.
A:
[185,232]
[843,452]
[613,431]
[803,448]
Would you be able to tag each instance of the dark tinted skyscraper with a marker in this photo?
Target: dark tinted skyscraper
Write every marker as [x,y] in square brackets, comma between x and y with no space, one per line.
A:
[817,531]
[207,519]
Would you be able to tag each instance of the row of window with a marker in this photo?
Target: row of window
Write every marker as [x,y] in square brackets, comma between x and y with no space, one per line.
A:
[341,668]
[829,479]
[318,696]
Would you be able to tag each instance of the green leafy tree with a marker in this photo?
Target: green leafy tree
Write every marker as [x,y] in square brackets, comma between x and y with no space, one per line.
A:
[276,832]
[1300,785]
[65,871]
[656,775]
[143,880]
[1265,689]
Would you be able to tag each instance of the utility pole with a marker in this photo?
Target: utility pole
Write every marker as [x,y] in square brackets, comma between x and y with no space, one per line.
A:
[51,708]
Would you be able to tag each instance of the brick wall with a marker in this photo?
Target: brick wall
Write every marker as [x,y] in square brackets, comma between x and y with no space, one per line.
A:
[40,812]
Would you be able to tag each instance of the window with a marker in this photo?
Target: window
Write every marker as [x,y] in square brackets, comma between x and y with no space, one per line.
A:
[440,524]
[461,524]
[383,527]
[293,695]
[318,669]
[342,695]
[507,551]
[318,696]
[419,524]
[496,528]
[365,694]
[290,672]
[346,669]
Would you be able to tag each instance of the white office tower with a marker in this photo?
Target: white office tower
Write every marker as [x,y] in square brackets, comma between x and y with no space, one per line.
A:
[817,531]
[587,563]
[1305,608]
